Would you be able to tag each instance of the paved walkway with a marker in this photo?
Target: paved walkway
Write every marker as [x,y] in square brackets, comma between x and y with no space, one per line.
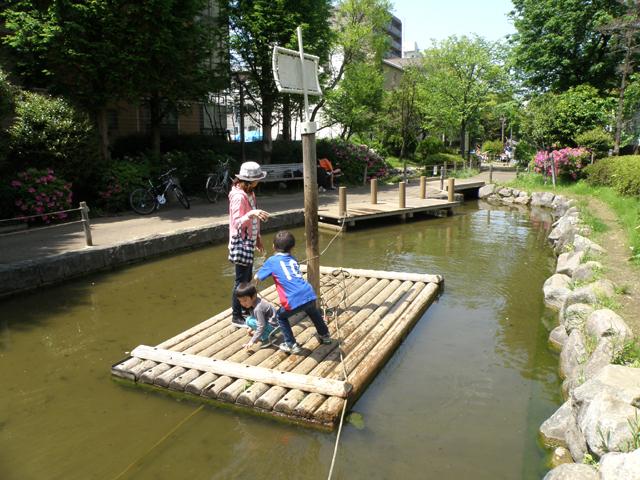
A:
[38,243]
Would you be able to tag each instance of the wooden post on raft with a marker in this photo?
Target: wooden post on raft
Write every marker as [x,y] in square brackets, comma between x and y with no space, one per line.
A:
[402,190]
[450,188]
[423,186]
[374,191]
[311,204]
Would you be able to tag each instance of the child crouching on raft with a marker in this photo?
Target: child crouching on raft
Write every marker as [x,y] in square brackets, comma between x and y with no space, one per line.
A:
[295,293]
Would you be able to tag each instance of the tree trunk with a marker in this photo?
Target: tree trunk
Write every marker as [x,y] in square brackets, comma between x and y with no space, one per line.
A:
[286,118]
[267,141]
[103,132]
[155,120]
[623,86]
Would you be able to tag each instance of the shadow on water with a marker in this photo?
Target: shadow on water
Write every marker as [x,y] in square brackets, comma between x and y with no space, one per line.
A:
[462,397]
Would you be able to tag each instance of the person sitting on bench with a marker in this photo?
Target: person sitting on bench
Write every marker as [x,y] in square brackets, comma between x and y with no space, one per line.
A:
[325,163]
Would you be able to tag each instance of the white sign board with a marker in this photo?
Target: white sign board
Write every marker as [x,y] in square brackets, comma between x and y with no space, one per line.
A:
[287,73]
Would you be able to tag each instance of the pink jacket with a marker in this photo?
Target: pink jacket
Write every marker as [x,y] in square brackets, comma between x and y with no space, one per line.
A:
[239,208]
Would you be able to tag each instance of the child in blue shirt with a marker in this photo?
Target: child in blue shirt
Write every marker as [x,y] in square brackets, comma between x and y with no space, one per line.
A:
[293,290]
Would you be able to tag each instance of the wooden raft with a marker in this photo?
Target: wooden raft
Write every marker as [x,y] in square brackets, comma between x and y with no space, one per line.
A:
[375,311]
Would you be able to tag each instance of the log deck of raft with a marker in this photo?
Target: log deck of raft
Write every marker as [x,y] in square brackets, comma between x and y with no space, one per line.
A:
[374,311]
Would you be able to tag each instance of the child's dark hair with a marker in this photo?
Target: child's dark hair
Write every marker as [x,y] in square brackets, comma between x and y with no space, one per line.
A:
[284,241]
[246,290]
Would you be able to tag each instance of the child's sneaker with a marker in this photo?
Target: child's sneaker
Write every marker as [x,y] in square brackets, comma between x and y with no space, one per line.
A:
[291,349]
[239,322]
[324,339]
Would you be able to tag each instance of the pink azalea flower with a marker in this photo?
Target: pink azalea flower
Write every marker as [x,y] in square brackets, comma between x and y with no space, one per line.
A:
[16,183]
[31,190]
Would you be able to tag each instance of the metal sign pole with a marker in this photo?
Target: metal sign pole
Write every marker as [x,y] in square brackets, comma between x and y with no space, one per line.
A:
[310,184]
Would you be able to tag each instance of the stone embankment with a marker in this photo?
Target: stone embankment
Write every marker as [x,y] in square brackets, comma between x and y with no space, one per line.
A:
[595,434]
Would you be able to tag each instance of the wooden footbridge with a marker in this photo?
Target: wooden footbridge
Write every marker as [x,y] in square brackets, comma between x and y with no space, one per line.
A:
[439,202]
[370,312]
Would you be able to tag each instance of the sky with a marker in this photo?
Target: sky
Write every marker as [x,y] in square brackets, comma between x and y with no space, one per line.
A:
[424,20]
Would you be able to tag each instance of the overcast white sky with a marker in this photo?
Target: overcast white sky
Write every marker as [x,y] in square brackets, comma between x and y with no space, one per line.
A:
[423,20]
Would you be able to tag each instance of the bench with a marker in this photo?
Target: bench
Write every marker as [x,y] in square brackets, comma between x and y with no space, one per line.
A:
[282,172]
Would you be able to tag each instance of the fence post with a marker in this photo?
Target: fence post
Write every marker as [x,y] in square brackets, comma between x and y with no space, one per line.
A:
[423,186]
[403,195]
[374,191]
[84,211]
[342,202]
[450,189]
[443,172]
[491,173]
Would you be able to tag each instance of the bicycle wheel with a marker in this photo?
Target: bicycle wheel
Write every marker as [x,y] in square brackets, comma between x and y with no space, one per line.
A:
[182,198]
[213,188]
[143,201]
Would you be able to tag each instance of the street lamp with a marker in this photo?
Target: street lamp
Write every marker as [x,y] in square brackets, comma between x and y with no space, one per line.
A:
[241,77]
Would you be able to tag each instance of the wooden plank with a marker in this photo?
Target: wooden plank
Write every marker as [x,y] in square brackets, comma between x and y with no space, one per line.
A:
[305,383]
[404,276]
[370,288]
[381,352]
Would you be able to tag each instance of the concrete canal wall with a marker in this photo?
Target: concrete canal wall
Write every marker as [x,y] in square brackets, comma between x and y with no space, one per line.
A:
[31,274]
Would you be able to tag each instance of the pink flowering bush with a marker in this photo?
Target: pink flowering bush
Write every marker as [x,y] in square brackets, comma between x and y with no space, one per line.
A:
[39,192]
[569,162]
[352,160]
[118,180]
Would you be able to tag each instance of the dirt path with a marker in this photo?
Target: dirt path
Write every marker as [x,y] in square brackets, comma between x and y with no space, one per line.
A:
[617,267]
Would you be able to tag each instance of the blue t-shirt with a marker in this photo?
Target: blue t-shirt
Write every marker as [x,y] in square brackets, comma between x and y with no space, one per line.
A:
[292,289]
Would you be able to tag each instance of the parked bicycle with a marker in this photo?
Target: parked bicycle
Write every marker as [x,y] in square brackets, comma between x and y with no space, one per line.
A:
[219,183]
[147,200]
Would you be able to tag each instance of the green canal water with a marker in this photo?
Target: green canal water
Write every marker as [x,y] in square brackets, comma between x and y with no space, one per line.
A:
[462,397]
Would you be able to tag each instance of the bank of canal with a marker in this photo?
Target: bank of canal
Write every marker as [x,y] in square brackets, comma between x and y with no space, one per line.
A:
[462,397]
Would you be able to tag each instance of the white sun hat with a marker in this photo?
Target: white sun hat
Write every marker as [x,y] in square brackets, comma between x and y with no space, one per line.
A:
[250,172]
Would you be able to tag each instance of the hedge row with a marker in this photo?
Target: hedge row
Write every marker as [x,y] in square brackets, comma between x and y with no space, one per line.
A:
[620,173]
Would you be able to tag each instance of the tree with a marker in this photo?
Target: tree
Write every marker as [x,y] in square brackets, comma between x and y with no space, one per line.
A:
[460,74]
[98,52]
[359,42]
[556,118]
[625,30]
[357,100]
[559,43]
[402,118]
[257,25]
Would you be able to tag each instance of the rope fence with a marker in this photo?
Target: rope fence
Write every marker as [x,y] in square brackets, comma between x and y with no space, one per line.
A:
[84,213]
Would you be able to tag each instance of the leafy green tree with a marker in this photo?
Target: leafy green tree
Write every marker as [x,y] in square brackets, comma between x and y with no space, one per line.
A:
[556,118]
[358,44]
[98,52]
[460,75]
[7,110]
[356,103]
[559,43]
[626,32]
[257,25]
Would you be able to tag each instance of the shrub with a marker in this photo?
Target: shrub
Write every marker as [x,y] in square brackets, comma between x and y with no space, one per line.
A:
[620,173]
[137,144]
[49,133]
[429,146]
[440,159]
[193,167]
[353,159]
[596,140]
[568,162]
[493,147]
[40,192]
[119,179]
[600,173]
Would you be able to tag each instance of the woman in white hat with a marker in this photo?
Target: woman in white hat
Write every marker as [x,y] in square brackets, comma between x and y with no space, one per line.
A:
[244,229]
